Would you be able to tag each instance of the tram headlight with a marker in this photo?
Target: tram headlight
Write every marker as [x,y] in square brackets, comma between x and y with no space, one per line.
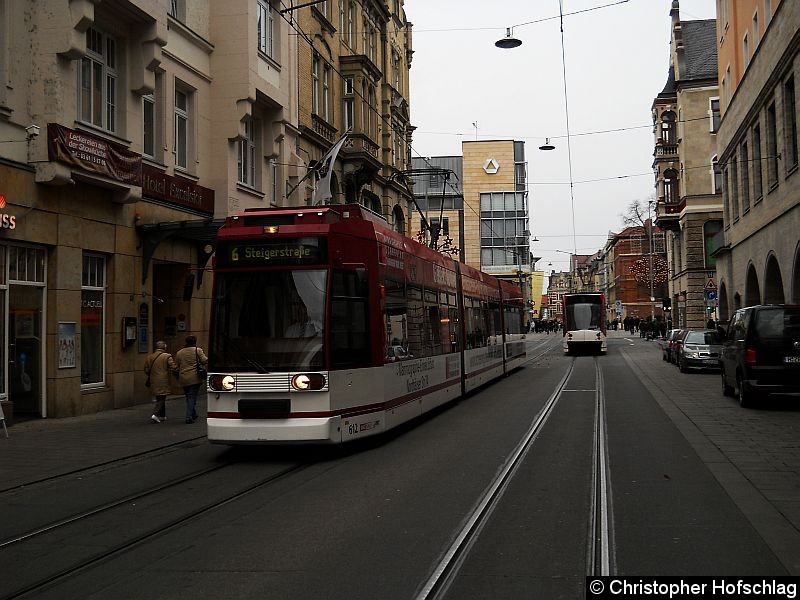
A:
[222,383]
[303,382]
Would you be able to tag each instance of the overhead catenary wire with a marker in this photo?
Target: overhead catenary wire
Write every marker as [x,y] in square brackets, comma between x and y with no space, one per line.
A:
[566,113]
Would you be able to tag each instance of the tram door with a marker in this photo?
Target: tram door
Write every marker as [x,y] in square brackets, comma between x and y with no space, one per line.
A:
[25,349]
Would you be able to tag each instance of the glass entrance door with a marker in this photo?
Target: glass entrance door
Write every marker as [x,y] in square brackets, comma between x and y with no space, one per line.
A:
[25,349]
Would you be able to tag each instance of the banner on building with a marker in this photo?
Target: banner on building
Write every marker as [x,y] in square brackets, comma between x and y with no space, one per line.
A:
[93,154]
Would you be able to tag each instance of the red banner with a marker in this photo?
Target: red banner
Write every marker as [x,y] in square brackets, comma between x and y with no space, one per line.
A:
[93,154]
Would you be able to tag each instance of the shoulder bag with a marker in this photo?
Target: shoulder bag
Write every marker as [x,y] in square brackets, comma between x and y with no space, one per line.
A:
[202,373]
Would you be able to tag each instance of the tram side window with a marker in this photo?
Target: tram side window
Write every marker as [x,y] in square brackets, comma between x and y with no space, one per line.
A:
[453,339]
[513,320]
[493,322]
[416,321]
[396,322]
[350,319]
[433,324]
[475,325]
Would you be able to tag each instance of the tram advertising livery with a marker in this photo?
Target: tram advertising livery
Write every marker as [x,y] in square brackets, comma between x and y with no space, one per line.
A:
[584,323]
[328,326]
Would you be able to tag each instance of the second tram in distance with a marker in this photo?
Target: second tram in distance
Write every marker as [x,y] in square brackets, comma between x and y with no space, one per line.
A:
[328,326]
[584,323]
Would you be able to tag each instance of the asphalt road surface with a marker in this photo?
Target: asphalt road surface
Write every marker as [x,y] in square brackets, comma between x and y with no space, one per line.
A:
[682,496]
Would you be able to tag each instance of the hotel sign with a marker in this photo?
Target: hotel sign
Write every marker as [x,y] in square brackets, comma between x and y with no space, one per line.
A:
[158,185]
[93,154]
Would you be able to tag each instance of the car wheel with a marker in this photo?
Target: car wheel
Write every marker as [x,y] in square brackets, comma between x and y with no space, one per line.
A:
[746,397]
[726,389]
[681,366]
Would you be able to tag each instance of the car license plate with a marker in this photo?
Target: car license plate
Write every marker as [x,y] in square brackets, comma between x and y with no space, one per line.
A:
[791,359]
[710,361]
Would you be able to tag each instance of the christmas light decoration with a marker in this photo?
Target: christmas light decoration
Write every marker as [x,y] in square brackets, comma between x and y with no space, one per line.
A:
[641,270]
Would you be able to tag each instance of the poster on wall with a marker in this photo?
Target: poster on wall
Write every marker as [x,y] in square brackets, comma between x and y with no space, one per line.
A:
[66,345]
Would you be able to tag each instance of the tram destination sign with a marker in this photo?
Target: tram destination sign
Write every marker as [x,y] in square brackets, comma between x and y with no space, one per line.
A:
[276,252]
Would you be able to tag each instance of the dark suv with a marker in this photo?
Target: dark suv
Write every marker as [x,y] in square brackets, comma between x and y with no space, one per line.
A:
[761,353]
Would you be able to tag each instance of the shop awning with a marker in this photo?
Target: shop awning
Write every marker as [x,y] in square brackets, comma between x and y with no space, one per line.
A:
[202,233]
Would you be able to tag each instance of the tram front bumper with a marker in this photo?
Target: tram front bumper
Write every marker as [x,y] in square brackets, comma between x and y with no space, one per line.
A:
[316,430]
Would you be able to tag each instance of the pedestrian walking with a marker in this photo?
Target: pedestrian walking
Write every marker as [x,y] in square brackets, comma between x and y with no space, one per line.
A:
[158,366]
[192,363]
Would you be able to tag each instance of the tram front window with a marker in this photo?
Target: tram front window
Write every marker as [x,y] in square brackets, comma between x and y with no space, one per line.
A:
[583,315]
[269,321]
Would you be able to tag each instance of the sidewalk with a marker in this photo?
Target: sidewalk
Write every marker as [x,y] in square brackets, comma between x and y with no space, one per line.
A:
[44,448]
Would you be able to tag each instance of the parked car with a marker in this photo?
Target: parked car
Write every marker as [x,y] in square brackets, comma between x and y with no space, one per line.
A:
[668,343]
[698,349]
[761,353]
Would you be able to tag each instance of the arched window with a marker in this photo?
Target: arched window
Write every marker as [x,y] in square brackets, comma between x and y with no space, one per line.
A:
[669,134]
[399,220]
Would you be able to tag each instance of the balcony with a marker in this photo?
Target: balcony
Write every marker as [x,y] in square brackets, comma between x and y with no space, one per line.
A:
[358,147]
[666,150]
[323,129]
[668,214]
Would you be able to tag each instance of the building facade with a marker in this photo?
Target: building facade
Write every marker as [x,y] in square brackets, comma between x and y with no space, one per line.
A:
[128,130]
[759,65]
[353,72]
[686,117]
[628,267]
[496,230]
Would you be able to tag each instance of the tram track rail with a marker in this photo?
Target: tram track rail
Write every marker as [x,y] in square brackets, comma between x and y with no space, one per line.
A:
[599,542]
[600,558]
[127,545]
[119,460]
[50,527]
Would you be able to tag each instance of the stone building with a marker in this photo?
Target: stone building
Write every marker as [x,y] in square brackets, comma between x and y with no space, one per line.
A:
[688,179]
[759,65]
[128,130]
[354,59]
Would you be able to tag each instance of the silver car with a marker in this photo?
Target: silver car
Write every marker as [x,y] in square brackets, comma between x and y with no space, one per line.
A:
[699,349]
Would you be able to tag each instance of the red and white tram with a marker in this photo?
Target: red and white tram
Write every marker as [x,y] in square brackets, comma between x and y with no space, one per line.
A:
[328,326]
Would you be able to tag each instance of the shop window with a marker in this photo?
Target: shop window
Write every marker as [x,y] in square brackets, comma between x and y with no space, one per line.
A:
[93,291]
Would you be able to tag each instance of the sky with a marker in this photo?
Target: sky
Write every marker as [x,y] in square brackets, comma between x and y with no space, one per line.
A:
[616,60]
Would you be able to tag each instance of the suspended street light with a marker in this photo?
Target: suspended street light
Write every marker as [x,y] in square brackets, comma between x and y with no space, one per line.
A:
[547,145]
[509,41]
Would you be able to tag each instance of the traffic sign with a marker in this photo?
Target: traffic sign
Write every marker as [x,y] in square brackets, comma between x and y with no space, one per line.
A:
[710,285]
[711,294]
